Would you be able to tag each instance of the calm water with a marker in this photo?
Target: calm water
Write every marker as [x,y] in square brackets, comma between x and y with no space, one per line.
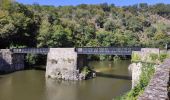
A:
[32,85]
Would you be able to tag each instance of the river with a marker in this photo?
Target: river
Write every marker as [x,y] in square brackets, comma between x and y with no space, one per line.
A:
[113,80]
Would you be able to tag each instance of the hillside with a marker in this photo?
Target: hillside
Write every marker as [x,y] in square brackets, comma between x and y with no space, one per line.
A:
[84,25]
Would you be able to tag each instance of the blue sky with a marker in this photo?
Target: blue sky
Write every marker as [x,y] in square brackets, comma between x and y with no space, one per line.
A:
[76,2]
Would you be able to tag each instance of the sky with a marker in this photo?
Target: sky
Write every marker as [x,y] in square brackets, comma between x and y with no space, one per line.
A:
[77,2]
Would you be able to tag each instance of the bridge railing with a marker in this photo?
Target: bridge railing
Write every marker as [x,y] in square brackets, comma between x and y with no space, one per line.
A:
[83,50]
[31,50]
[106,50]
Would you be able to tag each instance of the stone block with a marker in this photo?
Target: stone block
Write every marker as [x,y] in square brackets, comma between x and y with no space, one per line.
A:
[10,62]
[62,64]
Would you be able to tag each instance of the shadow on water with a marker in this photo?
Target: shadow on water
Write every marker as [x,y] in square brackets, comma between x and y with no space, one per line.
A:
[113,76]
[34,67]
[42,69]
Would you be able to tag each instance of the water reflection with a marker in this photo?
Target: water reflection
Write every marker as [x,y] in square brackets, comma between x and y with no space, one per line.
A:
[32,85]
[61,90]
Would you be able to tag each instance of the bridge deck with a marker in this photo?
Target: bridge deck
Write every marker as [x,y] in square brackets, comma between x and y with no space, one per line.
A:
[31,50]
[107,50]
[83,50]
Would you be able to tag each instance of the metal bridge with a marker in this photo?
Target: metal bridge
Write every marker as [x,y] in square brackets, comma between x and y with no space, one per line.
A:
[107,50]
[31,50]
[83,50]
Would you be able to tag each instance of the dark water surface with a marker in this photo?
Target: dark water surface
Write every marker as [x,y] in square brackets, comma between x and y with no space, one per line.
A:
[113,80]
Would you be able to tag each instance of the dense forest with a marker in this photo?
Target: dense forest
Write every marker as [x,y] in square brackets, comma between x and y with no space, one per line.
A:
[83,25]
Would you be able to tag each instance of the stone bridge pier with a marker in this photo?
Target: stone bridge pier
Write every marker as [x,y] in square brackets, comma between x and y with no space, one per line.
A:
[65,63]
[10,61]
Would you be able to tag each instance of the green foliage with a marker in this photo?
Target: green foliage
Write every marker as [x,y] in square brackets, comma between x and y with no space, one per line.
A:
[85,70]
[16,46]
[147,72]
[163,56]
[31,59]
[154,56]
[5,4]
[135,57]
[83,25]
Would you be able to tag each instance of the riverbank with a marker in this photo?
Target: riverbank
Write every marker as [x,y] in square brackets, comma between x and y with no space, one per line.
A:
[144,64]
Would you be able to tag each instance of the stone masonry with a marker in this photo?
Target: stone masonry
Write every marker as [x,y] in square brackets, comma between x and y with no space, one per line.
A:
[10,62]
[158,86]
[62,64]
[136,67]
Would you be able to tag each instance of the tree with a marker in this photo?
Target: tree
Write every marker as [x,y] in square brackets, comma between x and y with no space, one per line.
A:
[6,4]
[45,33]
[110,25]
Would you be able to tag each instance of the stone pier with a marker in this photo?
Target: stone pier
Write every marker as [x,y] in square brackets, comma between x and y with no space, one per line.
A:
[62,63]
[10,62]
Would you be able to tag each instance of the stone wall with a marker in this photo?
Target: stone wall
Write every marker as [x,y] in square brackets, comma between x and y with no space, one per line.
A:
[18,62]
[10,62]
[158,86]
[145,55]
[136,69]
[137,58]
[62,64]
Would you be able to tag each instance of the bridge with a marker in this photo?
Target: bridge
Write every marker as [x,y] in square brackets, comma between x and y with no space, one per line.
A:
[82,50]
[30,50]
[62,63]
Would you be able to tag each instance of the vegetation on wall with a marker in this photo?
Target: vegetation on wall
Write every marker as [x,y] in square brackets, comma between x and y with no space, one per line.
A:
[83,25]
[147,72]
[135,57]
[154,57]
[150,58]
